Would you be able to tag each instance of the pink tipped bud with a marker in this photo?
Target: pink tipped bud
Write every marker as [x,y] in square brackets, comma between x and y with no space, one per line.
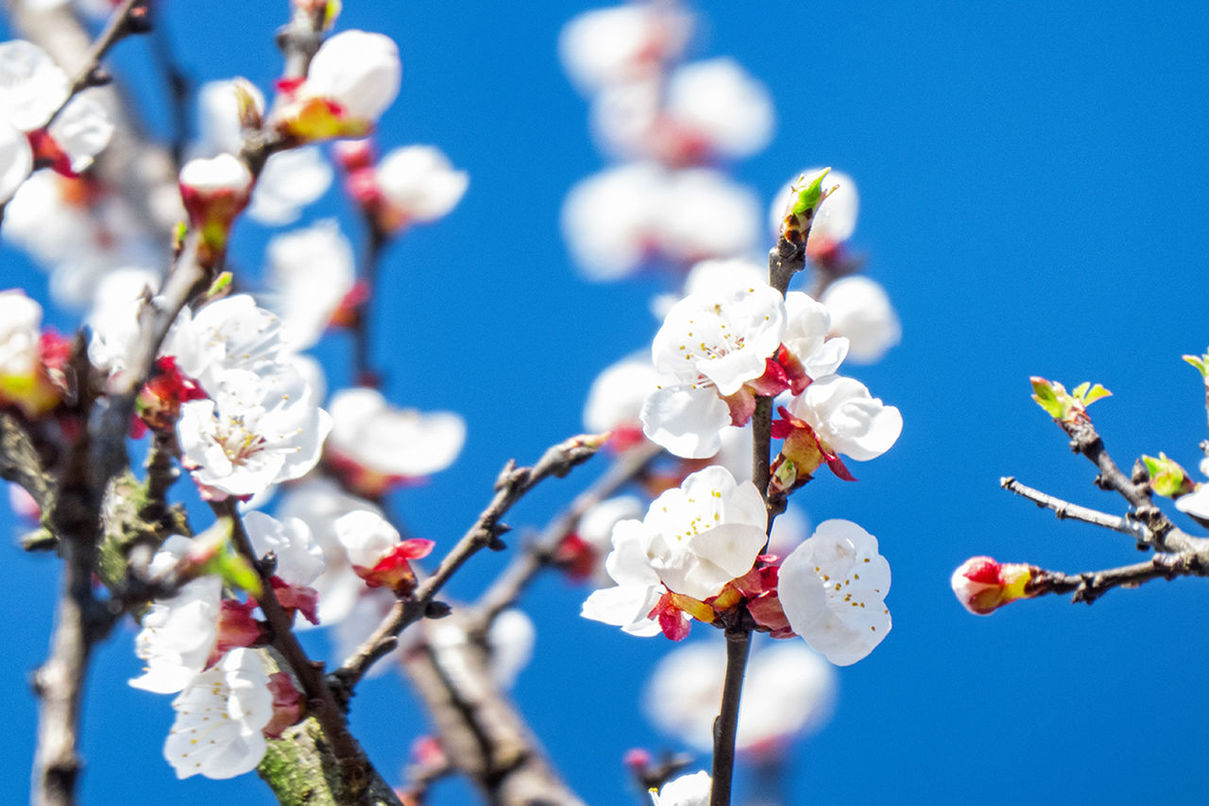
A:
[214,192]
[982,584]
[353,155]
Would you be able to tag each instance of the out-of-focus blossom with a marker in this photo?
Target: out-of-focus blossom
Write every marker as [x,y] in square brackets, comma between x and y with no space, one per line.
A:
[625,217]
[310,272]
[374,445]
[610,45]
[376,552]
[222,108]
[510,642]
[353,78]
[615,400]
[219,719]
[29,358]
[214,192]
[788,692]
[367,609]
[289,182]
[693,541]
[717,108]
[862,313]
[687,790]
[581,553]
[414,184]
[833,589]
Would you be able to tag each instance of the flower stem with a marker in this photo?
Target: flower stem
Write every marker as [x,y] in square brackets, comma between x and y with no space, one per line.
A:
[738,643]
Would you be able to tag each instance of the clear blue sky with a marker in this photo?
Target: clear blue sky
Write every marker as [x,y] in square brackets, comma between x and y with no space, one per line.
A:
[1032,180]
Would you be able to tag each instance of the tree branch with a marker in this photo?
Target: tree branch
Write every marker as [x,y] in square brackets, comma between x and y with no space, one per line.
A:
[1091,585]
[510,487]
[1064,510]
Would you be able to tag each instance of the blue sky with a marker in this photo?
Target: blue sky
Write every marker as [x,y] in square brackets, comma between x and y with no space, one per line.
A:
[1032,180]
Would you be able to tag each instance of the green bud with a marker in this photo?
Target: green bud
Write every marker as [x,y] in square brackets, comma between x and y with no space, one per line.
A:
[1167,478]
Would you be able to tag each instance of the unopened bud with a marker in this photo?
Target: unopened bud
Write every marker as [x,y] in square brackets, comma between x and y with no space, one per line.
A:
[1167,478]
[982,584]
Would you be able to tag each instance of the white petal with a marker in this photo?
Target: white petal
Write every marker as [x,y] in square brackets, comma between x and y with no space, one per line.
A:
[720,102]
[685,420]
[82,130]
[360,71]
[32,86]
[16,161]
[861,311]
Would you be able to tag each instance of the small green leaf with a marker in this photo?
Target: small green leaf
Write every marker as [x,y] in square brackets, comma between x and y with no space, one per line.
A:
[238,573]
[1167,478]
[1047,398]
[809,193]
[1097,392]
[1201,362]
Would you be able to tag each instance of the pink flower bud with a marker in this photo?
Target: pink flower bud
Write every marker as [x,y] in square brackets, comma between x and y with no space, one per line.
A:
[214,192]
[982,584]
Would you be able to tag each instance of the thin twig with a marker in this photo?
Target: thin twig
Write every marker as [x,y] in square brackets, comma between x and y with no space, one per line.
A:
[363,369]
[1064,509]
[510,487]
[129,18]
[524,568]
[1091,585]
[738,645]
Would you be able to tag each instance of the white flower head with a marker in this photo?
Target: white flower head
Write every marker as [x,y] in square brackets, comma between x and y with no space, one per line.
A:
[418,183]
[32,86]
[218,115]
[861,312]
[806,335]
[687,790]
[16,161]
[20,329]
[229,333]
[299,557]
[82,130]
[224,173]
[254,432]
[847,419]
[310,272]
[707,349]
[719,103]
[393,442]
[704,214]
[290,181]
[608,219]
[358,70]
[1195,503]
[833,589]
[694,539]
[219,718]
[610,45]
[510,641]
[367,537]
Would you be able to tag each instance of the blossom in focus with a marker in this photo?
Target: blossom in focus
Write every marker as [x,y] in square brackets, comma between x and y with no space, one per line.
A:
[310,272]
[687,790]
[414,184]
[983,585]
[220,717]
[861,312]
[835,415]
[708,349]
[374,445]
[352,79]
[376,552]
[233,333]
[251,434]
[624,217]
[693,541]
[298,558]
[788,692]
[833,589]
[618,44]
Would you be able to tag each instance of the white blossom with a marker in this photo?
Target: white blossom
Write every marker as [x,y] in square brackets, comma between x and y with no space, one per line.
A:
[694,539]
[219,718]
[394,442]
[707,349]
[806,335]
[1195,503]
[616,395]
[704,214]
[833,589]
[687,790]
[310,272]
[224,173]
[299,557]
[861,312]
[847,419]
[252,433]
[608,45]
[358,70]
[510,641]
[218,115]
[419,183]
[20,330]
[16,160]
[367,537]
[290,181]
[229,333]
[718,103]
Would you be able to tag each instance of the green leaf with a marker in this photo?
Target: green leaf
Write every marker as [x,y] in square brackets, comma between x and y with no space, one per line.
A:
[1047,397]
[1097,392]
[1201,362]
[810,194]
[1167,478]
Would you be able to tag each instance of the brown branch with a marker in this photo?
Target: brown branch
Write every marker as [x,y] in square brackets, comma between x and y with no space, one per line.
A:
[1064,510]
[524,568]
[1091,585]
[738,646]
[510,487]
[354,767]
[20,463]
[131,17]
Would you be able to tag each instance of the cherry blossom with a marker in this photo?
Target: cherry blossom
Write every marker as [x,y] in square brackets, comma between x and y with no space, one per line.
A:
[983,585]
[788,692]
[510,642]
[687,790]
[310,272]
[411,184]
[251,434]
[30,360]
[581,554]
[299,559]
[833,589]
[708,348]
[214,192]
[289,181]
[353,78]
[693,541]
[220,717]
[615,400]
[233,333]
[375,445]
[862,313]
[715,106]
